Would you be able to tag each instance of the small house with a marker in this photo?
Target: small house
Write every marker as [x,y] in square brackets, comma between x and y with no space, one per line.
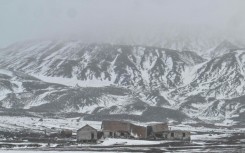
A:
[139,132]
[155,130]
[123,129]
[87,134]
[176,135]
[115,129]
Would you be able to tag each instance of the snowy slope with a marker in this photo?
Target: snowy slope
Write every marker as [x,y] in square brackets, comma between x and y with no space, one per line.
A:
[223,48]
[20,91]
[217,92]
[123,81]
[94,63]
[221,77]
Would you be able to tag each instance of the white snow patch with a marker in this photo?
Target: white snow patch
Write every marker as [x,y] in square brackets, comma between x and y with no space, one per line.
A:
[111,141]
[74,81]
[6,72]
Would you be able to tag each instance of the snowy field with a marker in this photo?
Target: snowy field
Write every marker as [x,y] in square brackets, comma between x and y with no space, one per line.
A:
[17,123]
[203,139]
[39,124]
[20,151]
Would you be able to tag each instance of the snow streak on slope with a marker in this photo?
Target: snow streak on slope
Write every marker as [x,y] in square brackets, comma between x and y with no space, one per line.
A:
[74,81]
[103,80]
[99,65]
[19,90]
[217,92]
[221,77]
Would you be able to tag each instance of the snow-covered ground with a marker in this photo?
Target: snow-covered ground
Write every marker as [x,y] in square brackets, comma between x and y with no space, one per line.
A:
[31,151]
[203,139]
[200,137]
[112,141]
[40,124]
[209,136]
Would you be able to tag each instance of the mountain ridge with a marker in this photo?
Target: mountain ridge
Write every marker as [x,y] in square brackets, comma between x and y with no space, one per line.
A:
[181,81]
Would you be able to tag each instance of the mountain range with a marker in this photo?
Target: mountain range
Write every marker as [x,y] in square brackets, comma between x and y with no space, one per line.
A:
[141,83]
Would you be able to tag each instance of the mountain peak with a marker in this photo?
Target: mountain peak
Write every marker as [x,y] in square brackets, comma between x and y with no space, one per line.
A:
[223,48]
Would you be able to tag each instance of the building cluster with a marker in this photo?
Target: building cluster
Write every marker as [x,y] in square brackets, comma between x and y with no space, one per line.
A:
[127,130]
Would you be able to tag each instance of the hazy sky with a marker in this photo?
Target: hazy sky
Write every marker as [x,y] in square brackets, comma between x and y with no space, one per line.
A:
[120,20]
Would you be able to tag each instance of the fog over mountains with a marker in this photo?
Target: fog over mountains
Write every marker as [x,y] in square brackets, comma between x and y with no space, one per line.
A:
[157,23]
[143,60]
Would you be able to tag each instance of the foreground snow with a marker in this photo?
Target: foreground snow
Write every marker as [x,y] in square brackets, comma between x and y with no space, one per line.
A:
[111,141]
[30,151]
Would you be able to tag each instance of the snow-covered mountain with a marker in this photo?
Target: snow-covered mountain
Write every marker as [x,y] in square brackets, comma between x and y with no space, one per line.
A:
[138,82]
[21,91]
[114,64]
[217,89]
[220,77]
[223,48]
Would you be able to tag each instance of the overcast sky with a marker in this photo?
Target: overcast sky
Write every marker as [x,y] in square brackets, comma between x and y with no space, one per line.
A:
[107,20]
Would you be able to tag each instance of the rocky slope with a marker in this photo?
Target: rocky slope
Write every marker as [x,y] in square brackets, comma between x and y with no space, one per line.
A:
[217,88]
[114,64]
[106,80]
[20,91]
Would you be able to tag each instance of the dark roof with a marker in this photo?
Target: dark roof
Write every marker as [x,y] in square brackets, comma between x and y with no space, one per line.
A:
[160,123]
[115,121]
[111,125]
[86,126]
[177,131]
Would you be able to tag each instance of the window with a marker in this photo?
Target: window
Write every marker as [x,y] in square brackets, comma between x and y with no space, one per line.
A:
[172,134]
[110,134]
[183,134]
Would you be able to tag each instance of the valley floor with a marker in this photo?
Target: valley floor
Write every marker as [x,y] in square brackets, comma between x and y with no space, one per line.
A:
[16,133]
[193,147]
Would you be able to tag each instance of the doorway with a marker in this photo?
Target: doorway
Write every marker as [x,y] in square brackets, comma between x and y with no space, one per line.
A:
[92,135]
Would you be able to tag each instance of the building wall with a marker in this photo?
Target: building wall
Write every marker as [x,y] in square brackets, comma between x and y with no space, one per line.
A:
[107,134]
[138,131]
[121,129]
[159,127]
[118,129]
[117,134]
[86,134]
[115,126]
[176,135]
